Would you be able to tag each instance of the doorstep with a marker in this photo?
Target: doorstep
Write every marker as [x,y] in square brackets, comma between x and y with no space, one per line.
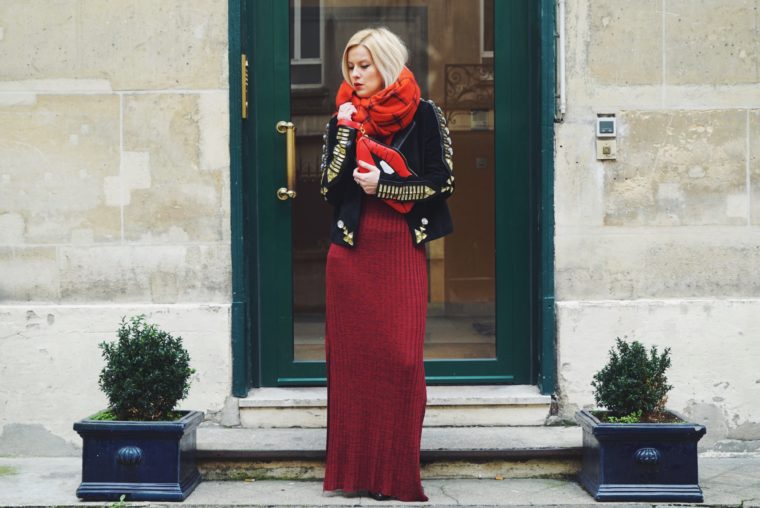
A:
[214,441]
[463,405]
[226,453]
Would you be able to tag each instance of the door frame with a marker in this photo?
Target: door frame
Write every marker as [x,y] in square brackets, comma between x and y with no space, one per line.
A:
[532,30]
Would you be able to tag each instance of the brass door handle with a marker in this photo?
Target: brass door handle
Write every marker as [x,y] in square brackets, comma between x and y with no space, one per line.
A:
[289,129]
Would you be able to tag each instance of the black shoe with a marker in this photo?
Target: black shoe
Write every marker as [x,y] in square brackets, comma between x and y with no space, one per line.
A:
[379,496]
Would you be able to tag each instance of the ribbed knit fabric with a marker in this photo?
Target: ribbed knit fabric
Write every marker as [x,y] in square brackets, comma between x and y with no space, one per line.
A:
[375,327]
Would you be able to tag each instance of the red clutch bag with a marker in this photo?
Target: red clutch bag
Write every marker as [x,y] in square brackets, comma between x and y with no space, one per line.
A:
[388,160]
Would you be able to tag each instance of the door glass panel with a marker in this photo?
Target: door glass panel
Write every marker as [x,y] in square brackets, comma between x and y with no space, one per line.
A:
[451,54]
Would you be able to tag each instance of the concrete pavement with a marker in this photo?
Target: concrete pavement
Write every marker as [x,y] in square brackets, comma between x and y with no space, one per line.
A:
[730,481]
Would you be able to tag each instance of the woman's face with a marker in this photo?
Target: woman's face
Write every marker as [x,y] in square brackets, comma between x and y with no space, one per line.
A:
[365,78]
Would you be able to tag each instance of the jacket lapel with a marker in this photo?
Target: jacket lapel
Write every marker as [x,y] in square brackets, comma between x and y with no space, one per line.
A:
[401,136]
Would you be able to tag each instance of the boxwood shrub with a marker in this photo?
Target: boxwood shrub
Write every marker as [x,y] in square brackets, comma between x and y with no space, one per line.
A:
[147,372]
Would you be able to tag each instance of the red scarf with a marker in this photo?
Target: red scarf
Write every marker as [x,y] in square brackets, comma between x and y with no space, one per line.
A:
[387,111]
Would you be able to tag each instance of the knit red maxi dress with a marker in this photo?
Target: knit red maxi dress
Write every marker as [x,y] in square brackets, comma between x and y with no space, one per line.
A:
[375,327]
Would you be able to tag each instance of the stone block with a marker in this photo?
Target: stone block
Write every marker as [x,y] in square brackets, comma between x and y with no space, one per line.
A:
[225,225]
[710,96]
[578,177]
[754,165]
[701,333]
[214,127]
[156,45]
[134,45]
[625,42]
[51,362]
[621,264]
[605,74]
[451,416]
[28,274]
[39,39]
[11,229]
[146,273]
[677,168]
[711,42]
[57,155]
[172,196]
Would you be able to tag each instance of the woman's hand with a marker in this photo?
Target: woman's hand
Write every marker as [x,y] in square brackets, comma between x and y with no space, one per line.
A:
[367,181]
[346,111]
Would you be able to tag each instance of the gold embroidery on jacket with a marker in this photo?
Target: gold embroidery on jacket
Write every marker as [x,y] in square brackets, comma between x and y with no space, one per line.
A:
[339,153]
[348,236]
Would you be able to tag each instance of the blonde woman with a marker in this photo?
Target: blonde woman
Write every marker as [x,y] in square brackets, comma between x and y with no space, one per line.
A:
[387,171]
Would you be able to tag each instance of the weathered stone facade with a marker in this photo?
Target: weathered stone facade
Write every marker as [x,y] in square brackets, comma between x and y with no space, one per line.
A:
[115,200]
[662,244]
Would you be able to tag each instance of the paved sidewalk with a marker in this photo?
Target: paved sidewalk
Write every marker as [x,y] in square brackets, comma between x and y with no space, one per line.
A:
[726,481]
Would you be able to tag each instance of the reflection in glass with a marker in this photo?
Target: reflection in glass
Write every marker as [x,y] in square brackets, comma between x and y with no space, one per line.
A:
[451,50]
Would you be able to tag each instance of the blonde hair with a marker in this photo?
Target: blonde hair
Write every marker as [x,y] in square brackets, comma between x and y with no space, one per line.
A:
[387,49]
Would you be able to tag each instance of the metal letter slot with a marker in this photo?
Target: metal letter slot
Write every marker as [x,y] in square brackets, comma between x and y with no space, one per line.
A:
[244,85]
[289,130]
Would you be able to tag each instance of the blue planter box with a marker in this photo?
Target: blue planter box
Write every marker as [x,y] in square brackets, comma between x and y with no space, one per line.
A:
[146,461]
[640,461]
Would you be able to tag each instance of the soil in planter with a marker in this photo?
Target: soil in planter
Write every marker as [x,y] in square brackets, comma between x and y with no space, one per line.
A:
[657,417]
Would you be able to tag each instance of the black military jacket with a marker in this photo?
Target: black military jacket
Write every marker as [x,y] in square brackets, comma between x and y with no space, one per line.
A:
[426,145]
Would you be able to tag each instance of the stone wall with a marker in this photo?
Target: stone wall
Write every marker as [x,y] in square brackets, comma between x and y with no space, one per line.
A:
[114,200]
[663,244]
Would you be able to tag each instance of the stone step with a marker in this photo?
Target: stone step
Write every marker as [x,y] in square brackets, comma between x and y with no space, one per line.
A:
[446,452]
[447,406]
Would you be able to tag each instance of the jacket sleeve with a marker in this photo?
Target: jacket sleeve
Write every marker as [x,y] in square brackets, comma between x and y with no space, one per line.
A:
[338,160]
[435,180]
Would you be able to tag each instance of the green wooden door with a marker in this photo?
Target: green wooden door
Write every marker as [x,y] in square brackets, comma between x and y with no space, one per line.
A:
[292,77]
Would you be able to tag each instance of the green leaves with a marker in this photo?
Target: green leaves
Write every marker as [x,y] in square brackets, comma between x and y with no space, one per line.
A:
[147,371]
[634,417]
[632,380]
